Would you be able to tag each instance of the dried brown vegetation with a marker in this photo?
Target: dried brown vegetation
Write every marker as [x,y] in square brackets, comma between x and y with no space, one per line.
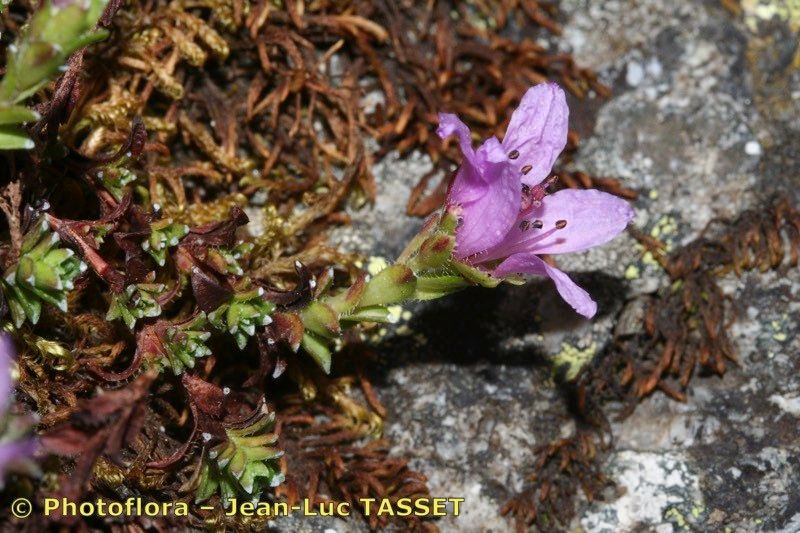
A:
[332,455]
[256,98]
[686,325]
[563,467]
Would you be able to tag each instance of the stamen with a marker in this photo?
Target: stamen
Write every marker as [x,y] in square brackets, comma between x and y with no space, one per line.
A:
[561,224]
[527,168]
[525,225]
[514,154]
[523,244]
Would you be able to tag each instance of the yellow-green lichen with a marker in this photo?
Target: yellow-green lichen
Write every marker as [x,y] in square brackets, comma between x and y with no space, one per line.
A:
[676,517]
[665,226]
[648,259]
[777,327]
[573,359]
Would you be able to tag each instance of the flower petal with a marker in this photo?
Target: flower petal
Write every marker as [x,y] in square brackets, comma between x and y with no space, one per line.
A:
[7,352]
[527,263]
[592,218]
[477,174]
[450,124]
[488,209]
[14,454]
[538,131]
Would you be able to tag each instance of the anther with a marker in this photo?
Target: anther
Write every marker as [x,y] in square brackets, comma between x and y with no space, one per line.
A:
[561,224]
[524,225]
[527,168]
[538,224]
[514,154]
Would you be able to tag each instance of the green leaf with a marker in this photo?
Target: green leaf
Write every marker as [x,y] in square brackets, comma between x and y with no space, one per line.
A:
[434,253]
[476,275]
[431,287]
[318,350]
[17,114]
[321,319]
[374,313]
[393,284]
[12,138]
[44,45]
[345,301]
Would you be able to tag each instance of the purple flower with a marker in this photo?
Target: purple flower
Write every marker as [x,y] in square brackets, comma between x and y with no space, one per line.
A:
[16,449]
[506,217]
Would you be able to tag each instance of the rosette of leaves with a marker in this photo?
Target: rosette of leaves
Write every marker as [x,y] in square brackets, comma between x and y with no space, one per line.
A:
[114,173]
[116,177]
[183,343]
[245,462]
[226,260]
[55,31]
[137,301]
[163,234]
[44,273]
[242,313]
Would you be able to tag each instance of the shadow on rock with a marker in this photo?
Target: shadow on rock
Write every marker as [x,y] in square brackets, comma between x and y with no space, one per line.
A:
[467,328]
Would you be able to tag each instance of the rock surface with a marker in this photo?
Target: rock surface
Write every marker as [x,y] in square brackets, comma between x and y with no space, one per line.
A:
[704,122]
